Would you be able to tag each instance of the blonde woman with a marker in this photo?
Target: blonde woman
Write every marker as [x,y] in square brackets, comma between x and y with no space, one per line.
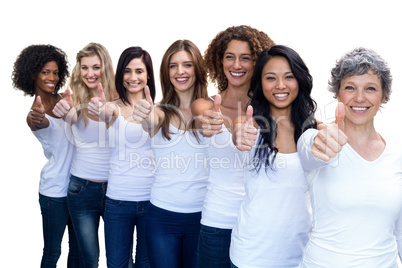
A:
[93,73]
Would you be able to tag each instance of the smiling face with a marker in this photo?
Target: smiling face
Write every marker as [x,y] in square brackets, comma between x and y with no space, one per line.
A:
[47,78]
[91,71]
[279,85]
[135,76]
[181,71]
[362,96]
[238,63]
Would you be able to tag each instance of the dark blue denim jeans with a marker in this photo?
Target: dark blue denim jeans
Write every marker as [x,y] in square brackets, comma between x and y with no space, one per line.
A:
[86,204]
[55,218]
[120,219]
[232,265]
[172,238]
[213,247]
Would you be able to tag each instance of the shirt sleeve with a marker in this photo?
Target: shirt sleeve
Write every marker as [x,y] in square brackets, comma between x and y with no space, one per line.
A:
[398,235]
[307,159]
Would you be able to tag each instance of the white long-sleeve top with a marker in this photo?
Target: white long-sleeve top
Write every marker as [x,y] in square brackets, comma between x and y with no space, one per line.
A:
[274,219]
[357,207]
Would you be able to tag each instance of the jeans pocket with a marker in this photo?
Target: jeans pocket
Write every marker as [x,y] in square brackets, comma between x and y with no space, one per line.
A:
[209,230]
[75,188]
[112,202]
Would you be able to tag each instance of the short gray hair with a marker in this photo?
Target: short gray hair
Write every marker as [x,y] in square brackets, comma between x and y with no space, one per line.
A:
[358,62]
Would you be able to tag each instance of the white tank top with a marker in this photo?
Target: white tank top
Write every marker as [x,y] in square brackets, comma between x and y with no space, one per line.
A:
[92,153]
[181,172]
[275,217]
[226,182]
[131,162]
[58,150]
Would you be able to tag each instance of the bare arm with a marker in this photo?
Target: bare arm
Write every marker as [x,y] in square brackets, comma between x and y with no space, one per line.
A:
[208,118]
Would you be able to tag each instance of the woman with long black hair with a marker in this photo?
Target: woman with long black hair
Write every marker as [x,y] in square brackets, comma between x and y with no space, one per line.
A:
[274,219]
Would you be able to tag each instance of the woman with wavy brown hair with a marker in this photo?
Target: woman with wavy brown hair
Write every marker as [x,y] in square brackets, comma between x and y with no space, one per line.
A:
[178,191]
[230,60]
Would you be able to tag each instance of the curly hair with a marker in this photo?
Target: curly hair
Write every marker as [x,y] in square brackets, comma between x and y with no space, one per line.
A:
[170,100]
[257,41]
[360,61]
[303,107]
[31,60]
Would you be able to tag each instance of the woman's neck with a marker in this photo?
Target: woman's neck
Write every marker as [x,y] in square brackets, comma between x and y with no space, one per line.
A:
[365,140]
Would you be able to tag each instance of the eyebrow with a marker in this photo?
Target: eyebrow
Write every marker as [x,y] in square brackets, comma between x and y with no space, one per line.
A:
[173,62]
[289,72]
[243,54]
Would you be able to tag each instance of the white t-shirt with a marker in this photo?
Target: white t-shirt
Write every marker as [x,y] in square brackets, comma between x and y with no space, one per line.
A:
[58,150]
[181,173]
[357,207]
[92,153]
[131,162]
[225,183]
[275,217]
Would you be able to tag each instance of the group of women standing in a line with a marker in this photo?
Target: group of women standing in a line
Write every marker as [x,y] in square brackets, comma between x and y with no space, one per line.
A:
[213,181]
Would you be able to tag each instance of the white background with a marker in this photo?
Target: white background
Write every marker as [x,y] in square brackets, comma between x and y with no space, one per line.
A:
[320,31]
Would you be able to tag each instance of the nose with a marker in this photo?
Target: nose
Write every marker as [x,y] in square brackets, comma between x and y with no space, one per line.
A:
[180,69]
[360,95]
[281,84]
[237,63]
[53,77]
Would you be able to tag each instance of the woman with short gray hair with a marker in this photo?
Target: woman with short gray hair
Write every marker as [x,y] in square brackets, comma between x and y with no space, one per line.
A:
[354,173]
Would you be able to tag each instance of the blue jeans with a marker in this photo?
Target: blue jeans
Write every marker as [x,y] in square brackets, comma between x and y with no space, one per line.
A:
[86,203]
[120,219]
[55,218]
[213,247]
[172,238]
[232,265]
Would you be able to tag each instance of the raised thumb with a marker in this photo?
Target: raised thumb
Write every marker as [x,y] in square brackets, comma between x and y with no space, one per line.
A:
[101,94]
[249,115]
[68,97]
[39,101]
[217,103]
[147,93]
[340,115]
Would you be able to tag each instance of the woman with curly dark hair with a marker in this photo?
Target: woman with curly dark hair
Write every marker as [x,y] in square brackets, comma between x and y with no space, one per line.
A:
[230,60]
[40,71]
[274,220]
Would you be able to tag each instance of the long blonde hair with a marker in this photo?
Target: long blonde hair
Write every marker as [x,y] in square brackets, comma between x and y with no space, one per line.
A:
[81,94]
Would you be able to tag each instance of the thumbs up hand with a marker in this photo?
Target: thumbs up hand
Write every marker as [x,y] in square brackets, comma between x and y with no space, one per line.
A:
[330,139]
[64,105]
[38,112]
[212,120]
[245,132]
[96,105]
[143,107]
